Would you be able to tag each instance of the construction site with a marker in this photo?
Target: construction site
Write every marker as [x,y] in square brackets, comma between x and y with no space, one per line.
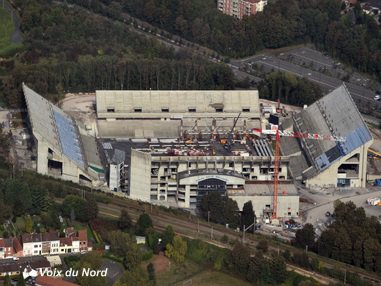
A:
[172,147]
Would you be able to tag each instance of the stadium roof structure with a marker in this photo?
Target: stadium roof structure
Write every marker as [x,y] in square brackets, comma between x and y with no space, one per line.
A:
[56,127]
[335,114]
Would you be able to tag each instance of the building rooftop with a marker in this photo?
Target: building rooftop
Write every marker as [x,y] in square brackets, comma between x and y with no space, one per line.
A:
[265,188]
[335,114]
[36,262]
[51,281]
[54,126]
[117,151]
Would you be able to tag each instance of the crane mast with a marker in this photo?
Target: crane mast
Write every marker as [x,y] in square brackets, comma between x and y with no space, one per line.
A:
[276,175]
[278,133]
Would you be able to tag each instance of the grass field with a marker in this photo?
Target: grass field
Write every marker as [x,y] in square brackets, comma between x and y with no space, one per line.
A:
[6,31]
[213,278]
[176,273]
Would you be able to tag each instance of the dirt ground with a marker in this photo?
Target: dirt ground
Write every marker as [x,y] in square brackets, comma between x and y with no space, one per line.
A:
[161,263]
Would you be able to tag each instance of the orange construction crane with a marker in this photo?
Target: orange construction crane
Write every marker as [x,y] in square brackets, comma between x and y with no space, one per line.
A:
[279,133]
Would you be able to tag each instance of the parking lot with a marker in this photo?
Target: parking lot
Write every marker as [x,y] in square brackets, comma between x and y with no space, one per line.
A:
[315,66]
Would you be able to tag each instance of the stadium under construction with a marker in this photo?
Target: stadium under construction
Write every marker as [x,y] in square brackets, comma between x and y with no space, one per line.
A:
[172,147]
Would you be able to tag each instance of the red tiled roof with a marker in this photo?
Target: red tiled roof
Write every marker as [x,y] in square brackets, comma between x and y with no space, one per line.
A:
[82,234]
[65,241]
[34,237]
[50,281]
[17,245]
[50,236]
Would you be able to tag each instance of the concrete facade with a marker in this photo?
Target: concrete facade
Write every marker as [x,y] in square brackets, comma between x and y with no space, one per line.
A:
[288,206]
[329,177]
[140,176]
[329,163]
[241,8]
[177,180]
[58,144]
[130,104]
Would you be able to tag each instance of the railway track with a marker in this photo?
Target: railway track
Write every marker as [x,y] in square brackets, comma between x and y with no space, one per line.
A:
[190,226]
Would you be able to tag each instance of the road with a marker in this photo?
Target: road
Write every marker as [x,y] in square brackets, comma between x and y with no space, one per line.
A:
[329,83]
[318,212]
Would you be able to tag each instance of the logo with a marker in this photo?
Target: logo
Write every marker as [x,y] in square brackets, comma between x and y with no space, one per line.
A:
[29,272]
[84,272]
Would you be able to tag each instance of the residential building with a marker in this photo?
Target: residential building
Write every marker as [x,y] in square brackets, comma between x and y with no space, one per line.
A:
[52,281]
[241,8]
[51,243]
[10,247]
[14,267]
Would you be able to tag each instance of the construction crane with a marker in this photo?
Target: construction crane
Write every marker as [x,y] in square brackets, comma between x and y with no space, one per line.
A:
[230,134]
[279,133]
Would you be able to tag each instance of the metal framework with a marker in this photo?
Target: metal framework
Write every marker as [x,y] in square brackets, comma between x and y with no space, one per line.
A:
[278,133]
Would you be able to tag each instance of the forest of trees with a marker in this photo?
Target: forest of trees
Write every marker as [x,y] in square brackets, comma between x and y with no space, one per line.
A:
[354,37]
[70,50]
[289,89]
[352,238]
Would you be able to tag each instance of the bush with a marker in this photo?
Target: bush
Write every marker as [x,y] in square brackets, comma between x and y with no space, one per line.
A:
[147,255]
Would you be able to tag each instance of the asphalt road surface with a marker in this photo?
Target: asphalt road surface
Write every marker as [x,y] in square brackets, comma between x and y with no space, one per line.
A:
[269,63]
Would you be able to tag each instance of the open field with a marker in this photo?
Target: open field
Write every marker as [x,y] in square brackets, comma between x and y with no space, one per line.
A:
[6,30]
[213,278]
[176,273]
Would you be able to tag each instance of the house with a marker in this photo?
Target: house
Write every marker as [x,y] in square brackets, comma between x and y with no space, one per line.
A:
[10,247]
[50,281]
[51,243]
[13,267]
[40,243]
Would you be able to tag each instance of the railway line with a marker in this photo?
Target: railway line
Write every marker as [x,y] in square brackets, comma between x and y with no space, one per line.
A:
[190,226]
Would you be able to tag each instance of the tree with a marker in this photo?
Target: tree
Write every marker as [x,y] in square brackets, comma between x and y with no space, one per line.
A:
[177,249]
[168,235]
[144,222]
[152,239]
[248,216]
[39,199]
[7,281]
[240,258]
[91,208]
[134,277]
[123,245]
[151,273]
[5,212]
[18,197]
[218,209]
[278,269]
[28,224]
[305,237]
[124,221]
[91,260]
[263,246]
[20,280]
